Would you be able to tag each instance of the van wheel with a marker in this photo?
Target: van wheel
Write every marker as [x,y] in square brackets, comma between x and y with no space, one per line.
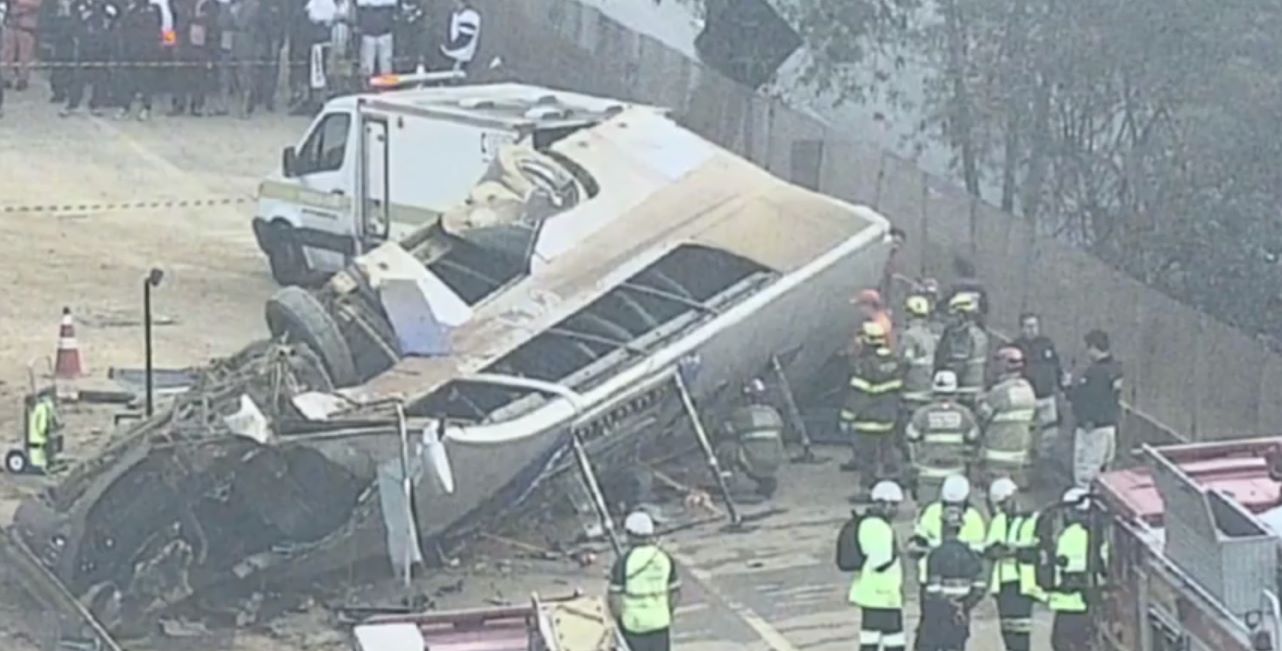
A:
[295,312]
[15,461]
[288,265]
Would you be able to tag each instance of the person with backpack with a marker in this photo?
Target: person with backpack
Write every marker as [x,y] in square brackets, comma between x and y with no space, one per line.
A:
[867,545]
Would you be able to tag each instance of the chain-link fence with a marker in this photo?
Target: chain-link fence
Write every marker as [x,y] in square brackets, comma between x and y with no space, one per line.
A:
[1188,375]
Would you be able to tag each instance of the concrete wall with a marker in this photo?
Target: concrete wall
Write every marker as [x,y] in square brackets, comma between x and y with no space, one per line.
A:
[1188,376]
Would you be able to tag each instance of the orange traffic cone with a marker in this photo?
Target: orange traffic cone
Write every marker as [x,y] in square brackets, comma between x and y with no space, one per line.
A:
[67,365]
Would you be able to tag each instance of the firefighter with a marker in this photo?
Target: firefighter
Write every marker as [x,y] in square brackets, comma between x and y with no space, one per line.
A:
[927,534]
[878,590]
[1008,411]
[1072,629]
[1012,547]
[753,445]
[644,588]
[872,310]
[872,407]
[942,436]
[917,353]
[955,583]
[963,348]
[1096,407]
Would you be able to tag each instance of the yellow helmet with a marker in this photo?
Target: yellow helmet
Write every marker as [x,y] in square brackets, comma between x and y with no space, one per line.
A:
[918,306]
[963,303]
[872,333]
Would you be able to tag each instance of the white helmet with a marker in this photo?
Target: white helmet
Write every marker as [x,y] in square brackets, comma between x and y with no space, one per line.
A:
[1001,490]
[887,491]
[956,489]
[639,523]
[1078,498]
[945,382]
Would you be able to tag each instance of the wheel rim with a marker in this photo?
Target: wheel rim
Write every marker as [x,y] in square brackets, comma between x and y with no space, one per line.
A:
[15,463]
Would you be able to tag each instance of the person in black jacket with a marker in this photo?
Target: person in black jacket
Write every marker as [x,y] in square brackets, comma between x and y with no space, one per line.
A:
[139,36]
[1096,398]
[56,29]
[1043,370]
[91,31]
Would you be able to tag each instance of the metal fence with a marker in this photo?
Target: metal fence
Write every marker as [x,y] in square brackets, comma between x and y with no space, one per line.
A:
[1188,375]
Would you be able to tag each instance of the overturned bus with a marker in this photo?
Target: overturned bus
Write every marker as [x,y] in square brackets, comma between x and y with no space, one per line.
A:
[557,302]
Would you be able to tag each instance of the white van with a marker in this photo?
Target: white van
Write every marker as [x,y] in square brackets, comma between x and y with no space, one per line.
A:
[424,148]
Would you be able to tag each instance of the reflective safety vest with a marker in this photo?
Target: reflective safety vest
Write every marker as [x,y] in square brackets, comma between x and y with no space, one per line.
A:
[645,591]
[880,583]
[40,421]
[930,524]
[941,434]
[1017,532]
[1009,409]
[1073,546]
[872,404]
[917,353]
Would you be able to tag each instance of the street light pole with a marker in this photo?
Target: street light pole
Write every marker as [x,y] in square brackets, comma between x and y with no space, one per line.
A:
[152,280]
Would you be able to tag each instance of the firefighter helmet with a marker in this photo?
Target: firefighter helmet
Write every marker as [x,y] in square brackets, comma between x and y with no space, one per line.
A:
[918,306]
[1077,498]
[963,303]
[887,491]
[945,382]
[872,333]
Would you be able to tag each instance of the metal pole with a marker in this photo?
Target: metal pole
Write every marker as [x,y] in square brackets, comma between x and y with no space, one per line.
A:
[594,488]
[408,488]
[794,412]
[146,334]
[693,414]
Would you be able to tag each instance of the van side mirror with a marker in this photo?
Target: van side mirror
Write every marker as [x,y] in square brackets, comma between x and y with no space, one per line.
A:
[289,162]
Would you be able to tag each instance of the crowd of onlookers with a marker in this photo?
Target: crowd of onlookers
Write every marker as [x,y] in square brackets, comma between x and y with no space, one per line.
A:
[217,57]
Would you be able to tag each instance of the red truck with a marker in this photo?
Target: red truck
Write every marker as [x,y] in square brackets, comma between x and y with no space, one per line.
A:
[1192,561]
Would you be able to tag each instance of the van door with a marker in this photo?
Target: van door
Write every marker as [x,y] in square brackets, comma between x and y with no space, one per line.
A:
[323,186]
[375,218]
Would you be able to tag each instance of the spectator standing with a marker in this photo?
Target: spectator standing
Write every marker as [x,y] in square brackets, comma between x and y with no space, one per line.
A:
[267,37]
[139,34]
[201,48]
[321,15]
[375,20]
[409,51]
[464,35]
[92,24]
[21,23]
[4,13]
[56,29]
[241,63]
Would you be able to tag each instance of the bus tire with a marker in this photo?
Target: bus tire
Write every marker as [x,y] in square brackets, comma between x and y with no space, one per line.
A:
[294,312]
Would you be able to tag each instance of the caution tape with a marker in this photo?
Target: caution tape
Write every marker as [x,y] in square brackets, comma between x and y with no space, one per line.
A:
[210,64]
[155,204]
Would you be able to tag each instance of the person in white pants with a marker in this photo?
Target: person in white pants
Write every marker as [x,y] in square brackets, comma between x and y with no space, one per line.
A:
[1096,398]
[374,20]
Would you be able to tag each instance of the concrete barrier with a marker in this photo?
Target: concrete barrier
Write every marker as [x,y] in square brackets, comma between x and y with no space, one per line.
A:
[1188,376]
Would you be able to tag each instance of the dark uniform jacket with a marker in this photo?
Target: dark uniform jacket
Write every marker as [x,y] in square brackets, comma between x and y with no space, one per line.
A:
[1041,364]
[955,582]
[876,385]
[1096,395]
